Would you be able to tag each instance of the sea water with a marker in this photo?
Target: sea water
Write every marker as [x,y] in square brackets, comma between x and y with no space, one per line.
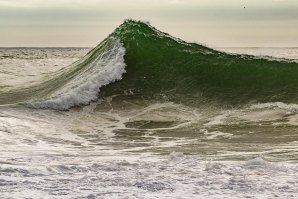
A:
[139,150]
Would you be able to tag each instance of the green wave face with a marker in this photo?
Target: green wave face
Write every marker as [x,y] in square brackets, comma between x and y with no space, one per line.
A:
[149,64]
[160,66]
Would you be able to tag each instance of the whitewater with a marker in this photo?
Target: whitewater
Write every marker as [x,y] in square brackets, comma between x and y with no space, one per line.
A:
[147,115]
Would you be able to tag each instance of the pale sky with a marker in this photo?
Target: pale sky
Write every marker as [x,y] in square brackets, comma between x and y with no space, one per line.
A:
[85,23]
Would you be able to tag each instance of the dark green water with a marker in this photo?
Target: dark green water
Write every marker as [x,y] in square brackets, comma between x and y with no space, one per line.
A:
[160,66]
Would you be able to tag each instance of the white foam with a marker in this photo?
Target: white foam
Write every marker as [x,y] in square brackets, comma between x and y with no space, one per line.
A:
[274,105]
[260,164]
[219,119]
[181,176]
[176,157]
[215,134]
[108,67]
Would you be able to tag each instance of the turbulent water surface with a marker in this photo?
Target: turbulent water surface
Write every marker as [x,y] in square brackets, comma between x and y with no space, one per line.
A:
[146,115]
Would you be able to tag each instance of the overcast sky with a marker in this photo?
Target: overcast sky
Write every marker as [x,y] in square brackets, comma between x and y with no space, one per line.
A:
[84,23]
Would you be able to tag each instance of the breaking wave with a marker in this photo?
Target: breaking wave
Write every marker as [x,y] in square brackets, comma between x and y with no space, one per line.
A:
[104,68]
[158,66]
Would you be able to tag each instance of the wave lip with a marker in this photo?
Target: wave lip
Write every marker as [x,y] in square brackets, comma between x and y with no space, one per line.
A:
[101,68]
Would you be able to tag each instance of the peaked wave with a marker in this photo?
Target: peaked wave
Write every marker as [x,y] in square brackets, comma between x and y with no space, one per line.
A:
[159,66]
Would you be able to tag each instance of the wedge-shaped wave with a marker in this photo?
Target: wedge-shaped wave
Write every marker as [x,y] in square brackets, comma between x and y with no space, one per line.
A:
[160,67]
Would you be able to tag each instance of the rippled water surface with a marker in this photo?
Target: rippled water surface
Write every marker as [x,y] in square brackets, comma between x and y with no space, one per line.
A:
[115,148]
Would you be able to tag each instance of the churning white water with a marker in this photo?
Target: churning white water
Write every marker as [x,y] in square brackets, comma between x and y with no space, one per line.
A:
[127,149]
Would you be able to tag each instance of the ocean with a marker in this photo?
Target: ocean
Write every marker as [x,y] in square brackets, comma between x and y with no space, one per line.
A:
[147,115]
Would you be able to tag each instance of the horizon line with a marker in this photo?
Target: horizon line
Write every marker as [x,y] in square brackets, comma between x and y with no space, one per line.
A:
[3,47]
